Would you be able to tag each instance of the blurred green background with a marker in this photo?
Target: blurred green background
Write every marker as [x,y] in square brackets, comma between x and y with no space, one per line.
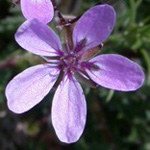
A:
[116,120]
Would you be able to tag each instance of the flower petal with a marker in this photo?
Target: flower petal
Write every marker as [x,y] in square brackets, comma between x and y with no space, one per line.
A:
[94,26]
[29,87]
[38,38]
[116,72]
[40,9]
[69,110]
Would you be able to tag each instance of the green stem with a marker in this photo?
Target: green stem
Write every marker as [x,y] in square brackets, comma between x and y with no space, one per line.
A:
[110,95]
[147,61]
[133,6]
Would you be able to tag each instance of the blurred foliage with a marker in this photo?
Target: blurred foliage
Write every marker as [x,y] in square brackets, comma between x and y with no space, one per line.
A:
[116,120]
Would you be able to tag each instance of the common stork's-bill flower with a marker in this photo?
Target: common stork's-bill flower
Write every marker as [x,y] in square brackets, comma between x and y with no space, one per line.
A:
[69,106]
[40,9]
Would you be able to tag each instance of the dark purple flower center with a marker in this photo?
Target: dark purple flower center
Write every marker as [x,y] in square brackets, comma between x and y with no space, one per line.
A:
[73,61]
[70,61]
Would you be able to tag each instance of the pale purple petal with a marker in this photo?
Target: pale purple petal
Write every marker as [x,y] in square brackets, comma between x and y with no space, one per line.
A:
[94,26]
[38,38]
[29,87]
[40,9]
[116,72]
[69,111]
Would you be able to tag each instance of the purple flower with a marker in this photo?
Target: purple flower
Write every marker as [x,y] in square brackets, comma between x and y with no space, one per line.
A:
[69,106]
[40,9]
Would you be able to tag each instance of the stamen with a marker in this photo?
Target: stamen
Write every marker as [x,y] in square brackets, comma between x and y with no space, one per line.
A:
[52,60]
[80,45]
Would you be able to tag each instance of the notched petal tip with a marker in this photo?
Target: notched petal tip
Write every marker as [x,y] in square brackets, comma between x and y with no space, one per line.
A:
[11,106]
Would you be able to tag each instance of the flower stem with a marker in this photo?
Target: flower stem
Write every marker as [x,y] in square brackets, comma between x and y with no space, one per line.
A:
[10,62]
